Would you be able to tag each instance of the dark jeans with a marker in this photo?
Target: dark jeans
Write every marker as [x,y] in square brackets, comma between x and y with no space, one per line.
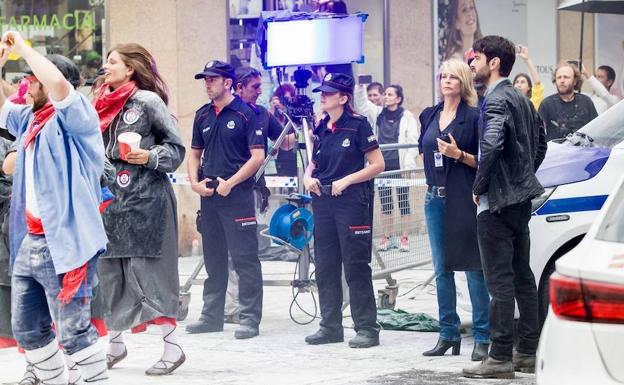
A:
[229,225]
[504,244]
[35,287]
[342,237]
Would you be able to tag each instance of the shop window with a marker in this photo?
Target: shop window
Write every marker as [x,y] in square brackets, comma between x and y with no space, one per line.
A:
[72,28]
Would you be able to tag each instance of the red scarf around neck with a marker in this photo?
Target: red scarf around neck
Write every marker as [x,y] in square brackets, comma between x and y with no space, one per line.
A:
[41,117]
[108,104]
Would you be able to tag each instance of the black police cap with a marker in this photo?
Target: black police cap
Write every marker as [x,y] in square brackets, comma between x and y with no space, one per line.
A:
[217,68]
[68,68]
[336,82]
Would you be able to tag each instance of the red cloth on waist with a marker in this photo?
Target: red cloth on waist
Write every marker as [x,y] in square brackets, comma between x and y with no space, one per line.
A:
[34,224]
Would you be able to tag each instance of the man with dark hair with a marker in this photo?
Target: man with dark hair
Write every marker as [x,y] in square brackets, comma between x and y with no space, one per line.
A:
[248,86]
[57,232]
[511,148]
[227,151]
[567,110]
[375,92]
[601,84]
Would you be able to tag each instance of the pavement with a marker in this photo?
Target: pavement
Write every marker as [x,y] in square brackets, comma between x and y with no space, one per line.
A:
[280,356]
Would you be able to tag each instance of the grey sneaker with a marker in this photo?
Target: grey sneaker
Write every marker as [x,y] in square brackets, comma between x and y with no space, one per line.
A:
[491,368]
[524,363]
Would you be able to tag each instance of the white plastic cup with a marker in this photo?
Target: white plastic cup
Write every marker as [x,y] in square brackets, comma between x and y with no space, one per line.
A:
[128,141]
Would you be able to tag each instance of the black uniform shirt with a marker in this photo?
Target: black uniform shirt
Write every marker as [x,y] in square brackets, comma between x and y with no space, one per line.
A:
[270,126]
[226,137]
[339,150]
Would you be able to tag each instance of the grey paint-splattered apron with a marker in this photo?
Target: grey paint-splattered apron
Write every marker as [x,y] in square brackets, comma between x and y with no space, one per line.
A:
[139,273]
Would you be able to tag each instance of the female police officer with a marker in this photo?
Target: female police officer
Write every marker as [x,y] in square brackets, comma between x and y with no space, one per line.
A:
[338,176]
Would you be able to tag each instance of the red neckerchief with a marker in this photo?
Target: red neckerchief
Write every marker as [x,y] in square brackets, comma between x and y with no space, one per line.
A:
[41,117]
[108,104]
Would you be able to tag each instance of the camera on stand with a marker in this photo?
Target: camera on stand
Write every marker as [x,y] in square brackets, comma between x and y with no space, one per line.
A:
[300,39]
[300,106]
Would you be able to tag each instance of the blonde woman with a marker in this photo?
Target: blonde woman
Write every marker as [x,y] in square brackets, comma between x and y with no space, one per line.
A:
[448,144]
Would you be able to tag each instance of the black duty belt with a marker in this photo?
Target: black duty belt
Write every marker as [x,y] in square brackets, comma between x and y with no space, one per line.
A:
[212,184]
[437,191]
[326,189]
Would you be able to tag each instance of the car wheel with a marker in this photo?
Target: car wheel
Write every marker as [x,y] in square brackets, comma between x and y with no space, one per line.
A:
[544,293]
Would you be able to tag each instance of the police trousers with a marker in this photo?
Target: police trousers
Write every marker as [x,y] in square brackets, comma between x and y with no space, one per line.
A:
[228,225]
[343,237]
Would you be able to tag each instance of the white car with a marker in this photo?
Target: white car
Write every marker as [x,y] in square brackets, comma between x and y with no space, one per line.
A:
[578,174]
[582,341]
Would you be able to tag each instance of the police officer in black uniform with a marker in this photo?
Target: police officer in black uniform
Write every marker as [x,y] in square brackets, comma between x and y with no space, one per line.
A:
[227,150]
[339,179]
[248,86]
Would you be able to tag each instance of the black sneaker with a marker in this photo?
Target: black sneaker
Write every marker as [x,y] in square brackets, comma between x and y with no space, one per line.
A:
[203,326]
[322,337]
[362,340]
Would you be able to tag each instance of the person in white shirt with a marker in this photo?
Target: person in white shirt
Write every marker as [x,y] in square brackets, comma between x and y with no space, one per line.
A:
[601,84]
[392,124]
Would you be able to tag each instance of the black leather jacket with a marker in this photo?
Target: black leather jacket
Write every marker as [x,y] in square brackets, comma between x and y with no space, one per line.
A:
[513,145]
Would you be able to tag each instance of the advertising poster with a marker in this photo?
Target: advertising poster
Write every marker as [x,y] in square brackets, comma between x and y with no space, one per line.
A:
[529,23]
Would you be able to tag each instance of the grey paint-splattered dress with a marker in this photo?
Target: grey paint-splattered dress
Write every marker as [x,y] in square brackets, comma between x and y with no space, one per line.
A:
[139,273]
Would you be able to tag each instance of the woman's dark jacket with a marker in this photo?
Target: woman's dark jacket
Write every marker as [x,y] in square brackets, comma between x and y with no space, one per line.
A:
[461,251]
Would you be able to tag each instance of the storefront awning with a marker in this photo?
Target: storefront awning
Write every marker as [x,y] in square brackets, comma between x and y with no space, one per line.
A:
[593,6]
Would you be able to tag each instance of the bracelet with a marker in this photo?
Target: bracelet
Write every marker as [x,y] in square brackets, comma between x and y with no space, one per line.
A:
[461,158]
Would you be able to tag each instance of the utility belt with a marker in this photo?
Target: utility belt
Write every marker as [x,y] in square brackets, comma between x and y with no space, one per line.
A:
[326,189]
[214,182]
[437,191]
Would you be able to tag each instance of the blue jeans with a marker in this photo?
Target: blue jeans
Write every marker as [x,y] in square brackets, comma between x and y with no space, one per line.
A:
[35,286]
[435,208]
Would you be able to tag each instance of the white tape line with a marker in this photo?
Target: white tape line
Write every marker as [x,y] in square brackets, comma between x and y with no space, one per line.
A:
[392,182]
[179,178]
[271,181]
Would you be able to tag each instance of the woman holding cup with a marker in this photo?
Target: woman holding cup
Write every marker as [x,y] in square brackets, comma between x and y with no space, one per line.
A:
[139,273]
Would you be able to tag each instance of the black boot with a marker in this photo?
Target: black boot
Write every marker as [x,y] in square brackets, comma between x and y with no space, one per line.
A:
[524,362]
[323,337]
[246,331]
[364,340]
[490,368]
[442,346]
[203,326]
[480,351]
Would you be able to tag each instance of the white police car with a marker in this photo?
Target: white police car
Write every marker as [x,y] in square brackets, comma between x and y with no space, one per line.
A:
[578,174]
[582,341]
